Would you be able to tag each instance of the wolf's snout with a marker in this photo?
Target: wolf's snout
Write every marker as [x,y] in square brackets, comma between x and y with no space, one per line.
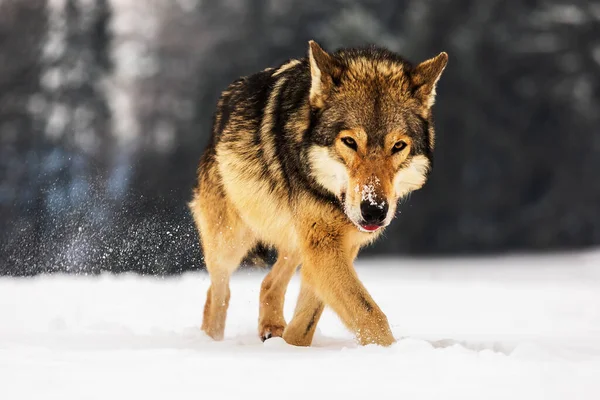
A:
[373,213]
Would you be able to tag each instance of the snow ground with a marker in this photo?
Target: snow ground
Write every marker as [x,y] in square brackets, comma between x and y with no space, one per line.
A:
[497,328]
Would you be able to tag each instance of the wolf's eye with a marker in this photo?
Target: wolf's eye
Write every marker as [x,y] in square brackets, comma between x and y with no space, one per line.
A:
[399,146]
[348,141]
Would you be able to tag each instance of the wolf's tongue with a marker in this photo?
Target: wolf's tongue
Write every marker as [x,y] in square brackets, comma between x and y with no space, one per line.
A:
[370,228]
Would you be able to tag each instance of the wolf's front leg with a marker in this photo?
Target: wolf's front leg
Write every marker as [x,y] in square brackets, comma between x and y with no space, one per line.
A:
[272,295]
[328,269]
[309,308]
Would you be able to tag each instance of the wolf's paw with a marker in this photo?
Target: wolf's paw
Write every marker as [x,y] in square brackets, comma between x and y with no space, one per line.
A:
[379,334]
[215,334]
[267,331]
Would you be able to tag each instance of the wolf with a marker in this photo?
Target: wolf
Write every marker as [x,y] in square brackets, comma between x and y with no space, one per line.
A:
[311,158]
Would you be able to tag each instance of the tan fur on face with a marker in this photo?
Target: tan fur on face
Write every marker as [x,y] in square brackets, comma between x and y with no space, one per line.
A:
[376,175]
[412,177]
[327,171]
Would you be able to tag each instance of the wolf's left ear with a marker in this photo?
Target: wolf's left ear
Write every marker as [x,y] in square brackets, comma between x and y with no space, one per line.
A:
[323,70]
[425,77]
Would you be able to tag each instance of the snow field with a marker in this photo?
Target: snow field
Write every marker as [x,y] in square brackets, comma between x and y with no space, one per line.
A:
[504,328]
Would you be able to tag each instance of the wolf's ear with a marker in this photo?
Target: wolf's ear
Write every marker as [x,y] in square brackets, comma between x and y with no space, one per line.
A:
[425,77]
[323,70]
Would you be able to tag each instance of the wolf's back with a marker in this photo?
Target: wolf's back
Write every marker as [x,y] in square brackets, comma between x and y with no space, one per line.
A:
[259,125]
[274,93]
[255,134]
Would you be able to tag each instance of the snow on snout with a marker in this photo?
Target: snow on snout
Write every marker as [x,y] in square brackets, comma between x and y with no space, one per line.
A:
[369,194]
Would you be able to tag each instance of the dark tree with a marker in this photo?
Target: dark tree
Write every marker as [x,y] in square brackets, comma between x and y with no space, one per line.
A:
[22,30]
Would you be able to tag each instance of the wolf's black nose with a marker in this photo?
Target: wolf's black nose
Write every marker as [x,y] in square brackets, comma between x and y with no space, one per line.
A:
[373,213]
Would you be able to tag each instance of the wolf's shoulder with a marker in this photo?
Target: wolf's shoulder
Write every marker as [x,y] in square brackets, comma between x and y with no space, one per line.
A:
[291,69]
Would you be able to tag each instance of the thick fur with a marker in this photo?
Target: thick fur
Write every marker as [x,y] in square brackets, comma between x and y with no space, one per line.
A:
[304,157]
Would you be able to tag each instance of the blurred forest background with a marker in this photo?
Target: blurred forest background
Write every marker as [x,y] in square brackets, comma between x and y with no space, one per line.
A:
[106,105]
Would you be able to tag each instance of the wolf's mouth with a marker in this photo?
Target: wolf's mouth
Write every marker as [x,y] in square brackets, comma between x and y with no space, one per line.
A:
[370,228]
[357,220]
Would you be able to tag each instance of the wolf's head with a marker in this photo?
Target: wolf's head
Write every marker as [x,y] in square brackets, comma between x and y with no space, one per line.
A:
[373,134]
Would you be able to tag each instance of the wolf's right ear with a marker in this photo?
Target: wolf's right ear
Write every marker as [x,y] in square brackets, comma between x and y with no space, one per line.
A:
[323,69]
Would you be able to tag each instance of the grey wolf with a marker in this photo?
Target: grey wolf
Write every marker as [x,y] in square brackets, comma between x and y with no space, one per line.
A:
[312,158]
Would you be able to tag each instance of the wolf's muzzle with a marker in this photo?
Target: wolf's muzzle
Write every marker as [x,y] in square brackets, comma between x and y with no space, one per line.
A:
[372,213]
